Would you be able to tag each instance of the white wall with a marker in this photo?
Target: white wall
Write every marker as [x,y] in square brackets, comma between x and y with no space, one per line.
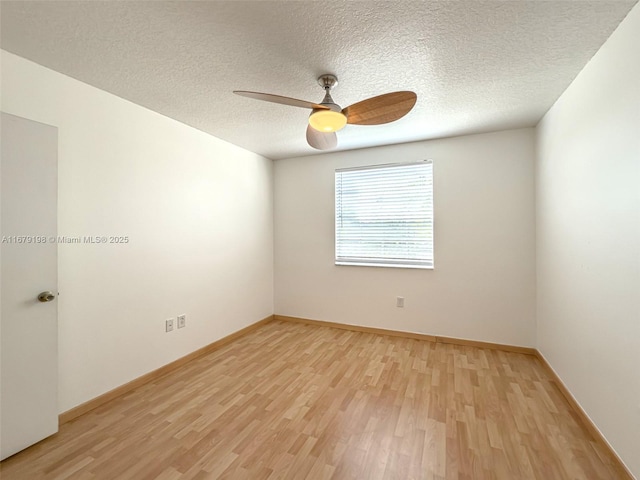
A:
[588,238]
[483,284]
[198,212]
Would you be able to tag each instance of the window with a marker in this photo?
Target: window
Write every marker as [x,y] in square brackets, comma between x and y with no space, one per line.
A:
[384,215]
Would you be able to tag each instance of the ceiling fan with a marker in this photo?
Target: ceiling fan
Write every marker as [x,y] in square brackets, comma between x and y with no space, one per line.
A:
[327,117]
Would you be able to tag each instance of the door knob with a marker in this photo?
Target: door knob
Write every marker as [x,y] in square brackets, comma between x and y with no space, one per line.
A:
[46,297]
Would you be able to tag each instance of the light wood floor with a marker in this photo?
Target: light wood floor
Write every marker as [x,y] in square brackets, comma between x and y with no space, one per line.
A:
[299,401]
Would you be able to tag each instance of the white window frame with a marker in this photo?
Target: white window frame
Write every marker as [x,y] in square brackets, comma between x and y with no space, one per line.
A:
[426,260]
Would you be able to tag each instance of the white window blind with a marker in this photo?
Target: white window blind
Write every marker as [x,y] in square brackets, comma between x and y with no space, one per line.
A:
[384,215]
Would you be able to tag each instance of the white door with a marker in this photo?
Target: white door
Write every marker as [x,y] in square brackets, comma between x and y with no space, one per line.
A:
[28,258]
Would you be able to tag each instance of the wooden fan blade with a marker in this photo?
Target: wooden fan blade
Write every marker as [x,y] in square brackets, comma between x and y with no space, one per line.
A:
[320,140]
[381,109]
[267,97]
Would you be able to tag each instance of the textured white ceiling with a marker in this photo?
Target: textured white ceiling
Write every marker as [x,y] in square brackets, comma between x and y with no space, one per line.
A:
[475,65]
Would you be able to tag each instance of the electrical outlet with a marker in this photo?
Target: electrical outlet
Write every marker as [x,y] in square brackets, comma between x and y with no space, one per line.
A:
[182,320]
[400,302]
[168,325]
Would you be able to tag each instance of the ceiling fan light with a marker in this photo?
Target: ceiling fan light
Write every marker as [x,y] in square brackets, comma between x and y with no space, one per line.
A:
[327,120]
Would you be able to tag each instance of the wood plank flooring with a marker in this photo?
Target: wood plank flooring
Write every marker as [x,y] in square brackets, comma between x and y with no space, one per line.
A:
[296,401]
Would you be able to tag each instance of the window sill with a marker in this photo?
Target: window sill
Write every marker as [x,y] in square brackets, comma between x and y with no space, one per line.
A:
[385,265]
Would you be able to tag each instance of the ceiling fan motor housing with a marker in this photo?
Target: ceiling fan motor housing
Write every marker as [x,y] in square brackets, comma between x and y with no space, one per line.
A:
[328,121]
[328,81]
